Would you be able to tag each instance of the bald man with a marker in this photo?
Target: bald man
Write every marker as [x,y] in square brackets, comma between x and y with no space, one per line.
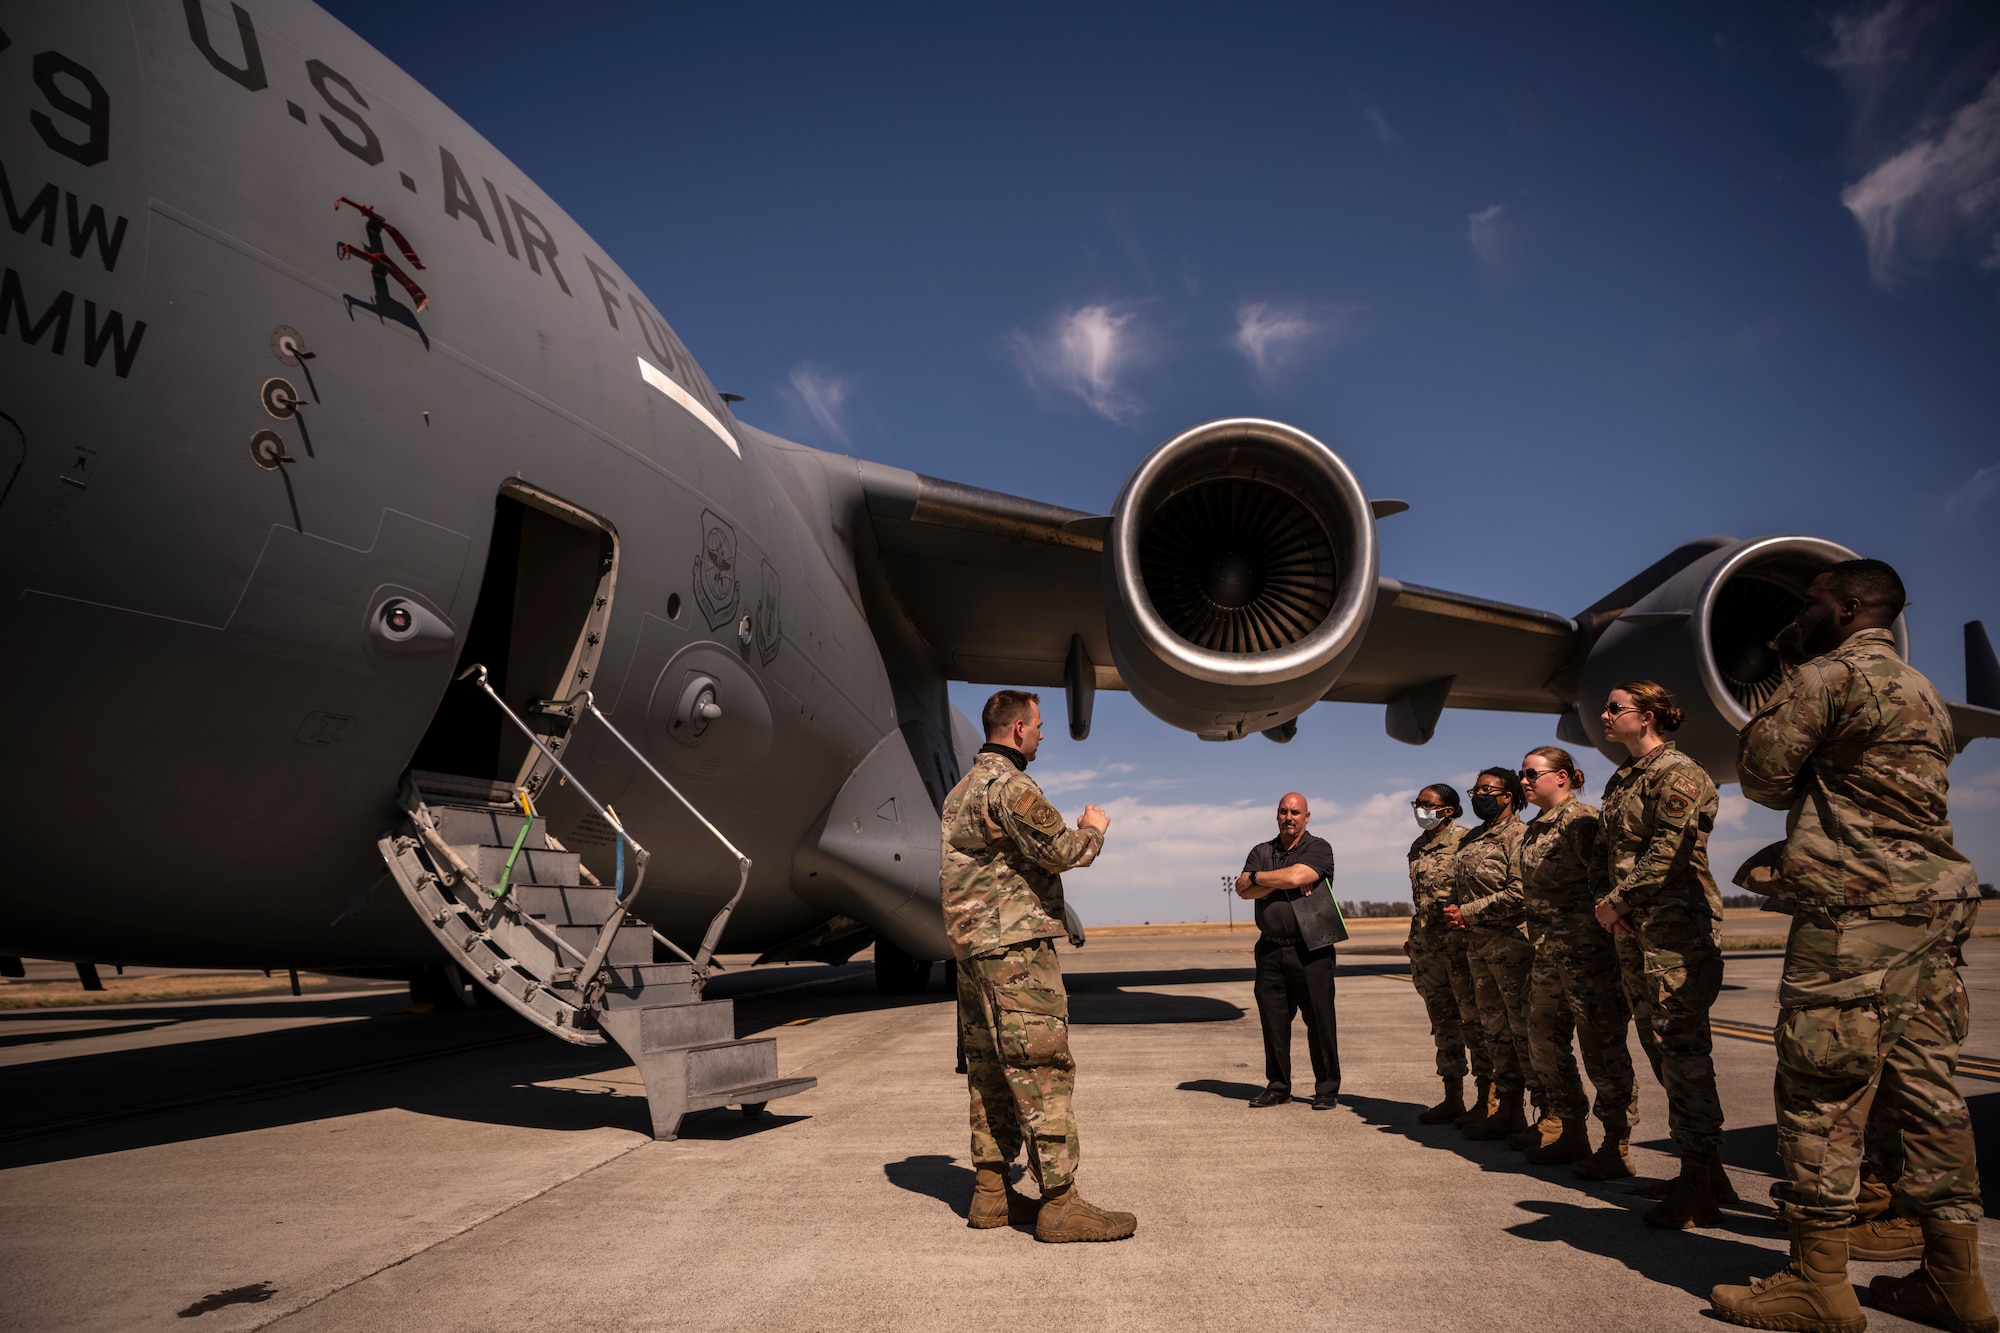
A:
[1290,975]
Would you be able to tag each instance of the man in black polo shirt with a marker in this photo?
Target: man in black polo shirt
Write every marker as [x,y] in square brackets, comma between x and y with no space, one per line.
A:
[1290,976]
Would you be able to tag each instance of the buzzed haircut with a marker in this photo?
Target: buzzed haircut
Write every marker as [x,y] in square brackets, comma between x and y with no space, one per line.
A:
[1005,707]
[1871,582]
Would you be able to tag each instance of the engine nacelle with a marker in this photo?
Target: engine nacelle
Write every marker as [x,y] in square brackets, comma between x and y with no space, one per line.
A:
[1705,634]
[1241,576]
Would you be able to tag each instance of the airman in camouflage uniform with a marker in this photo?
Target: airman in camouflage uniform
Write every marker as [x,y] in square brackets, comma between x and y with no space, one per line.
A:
[1574,982]
[1658,811]
[1441,972]
[1486,898]
[1854,745]
[1004,850]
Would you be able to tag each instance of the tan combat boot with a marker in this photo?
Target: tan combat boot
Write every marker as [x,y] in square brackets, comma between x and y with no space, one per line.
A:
[1611,1161]
[1690,1201]
[1066,1217]
[995,1201]
[1947,1291]
[1718,1182]
[1571,1144]
[1506,1119]
[1810,1293]
[1541,1134]
[1874,1199]
[1483,1104]
[1886,1240]
[1451,1108]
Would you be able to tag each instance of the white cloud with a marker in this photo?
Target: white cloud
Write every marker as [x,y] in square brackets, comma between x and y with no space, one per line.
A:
[1270,337]
[821,396]
[1074,779]
[1084,355]
[1977,490]
[1487,231]
[1383,129]
[1941,190]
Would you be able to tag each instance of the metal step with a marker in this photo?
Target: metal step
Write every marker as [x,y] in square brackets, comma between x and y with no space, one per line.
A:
[535,865]
[566,905]
[752,1094]
[633,944]
[731,1064]
[667,1027]
[650,985]
[465,826]
[453,788]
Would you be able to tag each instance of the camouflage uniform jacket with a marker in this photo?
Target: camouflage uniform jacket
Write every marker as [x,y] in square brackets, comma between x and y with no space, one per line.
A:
[1855,744]
[1652,844]
[1559,866]
[1433,875]
[1488,886]
[1005,848]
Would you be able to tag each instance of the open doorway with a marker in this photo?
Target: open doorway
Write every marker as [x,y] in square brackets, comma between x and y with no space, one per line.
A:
[537,629]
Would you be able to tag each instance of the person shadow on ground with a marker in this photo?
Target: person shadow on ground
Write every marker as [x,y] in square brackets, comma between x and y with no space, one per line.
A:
[935,1176]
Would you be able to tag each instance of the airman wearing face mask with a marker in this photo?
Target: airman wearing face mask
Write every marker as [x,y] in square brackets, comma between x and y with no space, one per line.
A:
[1438,963]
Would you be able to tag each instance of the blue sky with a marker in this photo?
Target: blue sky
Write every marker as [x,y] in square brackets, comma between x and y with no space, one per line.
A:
[1578,285]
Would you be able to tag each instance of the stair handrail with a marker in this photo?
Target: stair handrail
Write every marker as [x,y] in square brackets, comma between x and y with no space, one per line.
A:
[609,932]
[706,954]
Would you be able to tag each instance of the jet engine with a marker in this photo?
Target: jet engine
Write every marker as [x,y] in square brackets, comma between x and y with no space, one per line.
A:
[1241,577]
[1705,634]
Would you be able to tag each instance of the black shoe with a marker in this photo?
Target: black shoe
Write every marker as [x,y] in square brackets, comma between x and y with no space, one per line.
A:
[1269,1098]
[1324,1103]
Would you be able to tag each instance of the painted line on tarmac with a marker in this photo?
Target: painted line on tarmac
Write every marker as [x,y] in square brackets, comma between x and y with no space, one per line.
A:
[1971,1066]
[126,1113]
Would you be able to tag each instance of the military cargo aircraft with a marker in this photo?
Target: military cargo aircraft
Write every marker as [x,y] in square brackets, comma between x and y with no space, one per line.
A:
[388,584]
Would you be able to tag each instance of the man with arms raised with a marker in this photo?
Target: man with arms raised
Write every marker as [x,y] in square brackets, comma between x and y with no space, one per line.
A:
[1294,967]
[1005,848]
[1854,745]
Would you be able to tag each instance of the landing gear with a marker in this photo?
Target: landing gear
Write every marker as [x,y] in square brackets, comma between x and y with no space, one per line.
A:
[896,973]
[753,1110]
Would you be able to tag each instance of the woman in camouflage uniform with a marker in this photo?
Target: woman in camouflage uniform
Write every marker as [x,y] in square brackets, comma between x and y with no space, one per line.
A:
[1659,808]
[1574,985]
[1438,964]
[1486,904]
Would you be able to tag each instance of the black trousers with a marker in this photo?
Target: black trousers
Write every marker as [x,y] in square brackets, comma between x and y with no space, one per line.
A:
[1291,979]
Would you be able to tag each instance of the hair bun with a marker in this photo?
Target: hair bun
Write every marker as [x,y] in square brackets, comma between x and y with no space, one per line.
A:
[1671,718]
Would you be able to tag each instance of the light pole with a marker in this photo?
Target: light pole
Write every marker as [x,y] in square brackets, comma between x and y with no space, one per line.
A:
[1229,895]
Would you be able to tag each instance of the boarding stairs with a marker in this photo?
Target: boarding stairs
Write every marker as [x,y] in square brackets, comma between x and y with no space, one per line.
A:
[532,924]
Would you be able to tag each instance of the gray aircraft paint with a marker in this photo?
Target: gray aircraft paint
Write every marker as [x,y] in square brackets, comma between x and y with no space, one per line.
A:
[215,739]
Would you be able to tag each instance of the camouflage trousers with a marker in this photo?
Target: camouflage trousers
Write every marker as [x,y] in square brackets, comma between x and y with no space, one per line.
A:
[1639,996]
[1501,963]
[1013,1016]
[1684,975]
[1575,986]
[1443,978]
[1871,1014]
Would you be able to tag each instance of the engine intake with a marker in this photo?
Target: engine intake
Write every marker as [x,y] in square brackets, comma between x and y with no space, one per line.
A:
[1705,634]
[1241,576]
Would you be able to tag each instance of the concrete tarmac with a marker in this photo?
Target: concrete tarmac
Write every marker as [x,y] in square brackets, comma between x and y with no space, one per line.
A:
[373,1169]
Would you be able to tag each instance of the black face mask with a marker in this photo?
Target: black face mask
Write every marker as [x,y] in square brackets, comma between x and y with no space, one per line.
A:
[1486,807]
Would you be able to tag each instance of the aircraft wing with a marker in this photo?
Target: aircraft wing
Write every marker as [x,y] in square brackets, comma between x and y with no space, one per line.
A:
[999,586]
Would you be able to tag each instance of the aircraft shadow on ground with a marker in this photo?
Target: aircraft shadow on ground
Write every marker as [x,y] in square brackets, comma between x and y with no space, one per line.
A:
[495,1085]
